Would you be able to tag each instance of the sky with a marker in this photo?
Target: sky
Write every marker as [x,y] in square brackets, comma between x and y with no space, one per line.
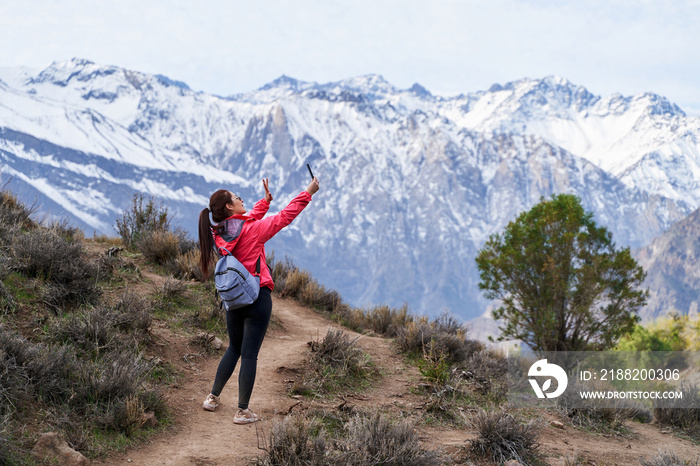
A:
[226,47]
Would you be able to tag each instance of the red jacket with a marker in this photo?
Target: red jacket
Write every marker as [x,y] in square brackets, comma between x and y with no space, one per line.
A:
[245,235]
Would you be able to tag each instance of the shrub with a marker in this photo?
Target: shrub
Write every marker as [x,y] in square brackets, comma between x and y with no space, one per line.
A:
[117,375]
[336,361]
[385,320]
[74,389]
[444,334]
[434,365]
[374,439]
[487,364]
[142,219]
[597,414]
[134,312]
[685,413]
[336,349]
[186,243]
[51,372]
[673,332]
[186,266]
[7,301]
[104,328]
[171,289]
[666,458]
[92,331]
[293,283]
[641,339]
[159,247]
[486,372]
[130,414]
[9,450]
[321,438]
[14,216]
[66,231]
[502,438]
[295,441]
[71,278]
[317,296]
[109,262]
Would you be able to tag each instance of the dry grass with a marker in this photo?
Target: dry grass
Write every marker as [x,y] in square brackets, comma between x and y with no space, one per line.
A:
[9,451]
[667,458]
[294,442]
[186,266]
[359,439]
[336,362]
[126,324]
[600,415]
[375,439]
[444,334]
[14,217]
[485,371]
[685,414]
[159,247]
[76,390]
[57,256]
[7,301]
[502,437]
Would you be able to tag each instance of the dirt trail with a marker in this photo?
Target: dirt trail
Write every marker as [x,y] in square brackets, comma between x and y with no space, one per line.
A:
[204,438]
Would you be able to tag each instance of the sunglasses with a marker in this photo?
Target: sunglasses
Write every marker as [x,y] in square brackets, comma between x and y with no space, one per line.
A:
[237,197]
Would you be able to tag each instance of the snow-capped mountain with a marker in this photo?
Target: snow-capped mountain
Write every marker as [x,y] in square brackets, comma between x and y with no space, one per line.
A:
[673,264]
[412,184]
[645,140]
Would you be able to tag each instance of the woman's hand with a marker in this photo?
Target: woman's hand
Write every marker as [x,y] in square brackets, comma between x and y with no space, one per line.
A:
[313,187]
[268,195]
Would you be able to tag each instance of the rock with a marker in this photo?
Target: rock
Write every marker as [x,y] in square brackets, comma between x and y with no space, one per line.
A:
[511,463]
[557,424]
[150,419]
[52,448]
[216,343]
[285,337]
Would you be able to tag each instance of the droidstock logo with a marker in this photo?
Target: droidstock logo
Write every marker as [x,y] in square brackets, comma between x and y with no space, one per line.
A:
[543,369]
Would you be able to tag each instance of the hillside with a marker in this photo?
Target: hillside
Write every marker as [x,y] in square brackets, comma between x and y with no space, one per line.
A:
[205,438]
[411,181]
[89,358]
[673,264]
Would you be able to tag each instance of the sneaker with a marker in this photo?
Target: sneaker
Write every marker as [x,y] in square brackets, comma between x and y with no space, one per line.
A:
[245,416]
[211,402]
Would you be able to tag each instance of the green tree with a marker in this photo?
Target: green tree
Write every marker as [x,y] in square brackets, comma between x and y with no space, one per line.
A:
[562,284]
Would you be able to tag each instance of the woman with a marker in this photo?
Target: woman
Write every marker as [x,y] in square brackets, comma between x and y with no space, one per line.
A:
[245,236]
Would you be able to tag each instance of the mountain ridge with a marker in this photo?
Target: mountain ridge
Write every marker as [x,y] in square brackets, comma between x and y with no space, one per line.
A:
[409,180]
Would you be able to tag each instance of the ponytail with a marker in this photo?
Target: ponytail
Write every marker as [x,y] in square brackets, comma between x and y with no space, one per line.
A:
[219,212]
[206,243]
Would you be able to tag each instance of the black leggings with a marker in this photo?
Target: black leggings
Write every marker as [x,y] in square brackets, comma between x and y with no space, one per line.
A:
[246,330]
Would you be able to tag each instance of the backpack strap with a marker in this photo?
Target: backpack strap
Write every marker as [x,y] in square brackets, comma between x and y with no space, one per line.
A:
[257,264]
[218,251]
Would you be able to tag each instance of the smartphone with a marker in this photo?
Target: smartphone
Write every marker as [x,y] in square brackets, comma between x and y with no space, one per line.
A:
[310,172]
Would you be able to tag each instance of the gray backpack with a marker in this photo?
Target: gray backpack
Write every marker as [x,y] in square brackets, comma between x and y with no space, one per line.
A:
[235,285]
